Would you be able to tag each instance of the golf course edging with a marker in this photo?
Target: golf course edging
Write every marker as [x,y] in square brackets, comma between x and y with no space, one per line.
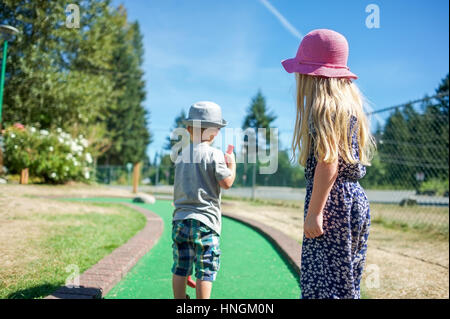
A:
[105,274]
[287,246]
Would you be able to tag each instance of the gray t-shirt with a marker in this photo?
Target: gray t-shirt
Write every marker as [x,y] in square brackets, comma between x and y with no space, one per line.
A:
[197,194]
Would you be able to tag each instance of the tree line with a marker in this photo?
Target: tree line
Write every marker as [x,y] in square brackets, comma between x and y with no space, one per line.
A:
[87,81]
[413,146]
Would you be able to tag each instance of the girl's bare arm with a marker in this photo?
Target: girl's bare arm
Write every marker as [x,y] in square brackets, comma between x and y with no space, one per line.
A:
[324,177]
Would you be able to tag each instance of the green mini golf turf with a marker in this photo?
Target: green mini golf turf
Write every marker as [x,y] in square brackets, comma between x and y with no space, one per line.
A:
[250,266]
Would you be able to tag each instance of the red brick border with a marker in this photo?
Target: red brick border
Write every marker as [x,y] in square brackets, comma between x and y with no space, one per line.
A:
[100,278]
[289,247]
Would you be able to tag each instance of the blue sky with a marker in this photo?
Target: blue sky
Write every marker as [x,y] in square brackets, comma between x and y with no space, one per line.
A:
[224,51]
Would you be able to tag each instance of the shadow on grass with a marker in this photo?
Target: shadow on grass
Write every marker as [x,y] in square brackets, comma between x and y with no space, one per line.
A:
[57,291]
[39,291]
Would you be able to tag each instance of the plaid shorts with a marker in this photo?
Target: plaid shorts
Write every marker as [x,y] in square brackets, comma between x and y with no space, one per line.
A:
[195,243]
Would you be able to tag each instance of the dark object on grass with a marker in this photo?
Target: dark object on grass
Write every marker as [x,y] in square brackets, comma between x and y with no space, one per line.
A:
[408,202]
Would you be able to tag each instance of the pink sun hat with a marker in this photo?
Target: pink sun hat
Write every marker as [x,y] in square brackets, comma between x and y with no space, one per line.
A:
[322,52]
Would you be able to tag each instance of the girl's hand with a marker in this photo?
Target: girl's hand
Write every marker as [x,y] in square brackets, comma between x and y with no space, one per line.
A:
[313,226]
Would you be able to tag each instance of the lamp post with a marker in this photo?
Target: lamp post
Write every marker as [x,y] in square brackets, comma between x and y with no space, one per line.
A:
[7,32]
[420,176]
[129,168]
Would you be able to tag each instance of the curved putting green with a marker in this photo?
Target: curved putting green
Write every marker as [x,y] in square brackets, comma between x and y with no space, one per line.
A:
[251,267]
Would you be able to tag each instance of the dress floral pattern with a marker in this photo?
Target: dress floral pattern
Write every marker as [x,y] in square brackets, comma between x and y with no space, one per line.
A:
[332,264]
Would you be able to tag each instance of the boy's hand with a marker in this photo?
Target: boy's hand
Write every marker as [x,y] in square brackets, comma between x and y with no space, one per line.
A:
[313,226]
[230,159]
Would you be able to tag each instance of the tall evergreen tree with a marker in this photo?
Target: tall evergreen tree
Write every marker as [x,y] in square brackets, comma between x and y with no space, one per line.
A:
[444,100]
[416,142]
[166,163]
[437,117]
[394,150]
[178,123]
[258,116]
[127,119]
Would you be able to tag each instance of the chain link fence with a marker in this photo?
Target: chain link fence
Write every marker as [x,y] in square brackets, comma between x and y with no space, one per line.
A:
[409,173]
[122,175]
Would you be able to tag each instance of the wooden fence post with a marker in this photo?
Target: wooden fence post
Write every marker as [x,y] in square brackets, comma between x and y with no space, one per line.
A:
[24,176]
[136,173]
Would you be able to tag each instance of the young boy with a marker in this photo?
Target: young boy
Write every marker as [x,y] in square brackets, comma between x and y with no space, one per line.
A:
[200,174]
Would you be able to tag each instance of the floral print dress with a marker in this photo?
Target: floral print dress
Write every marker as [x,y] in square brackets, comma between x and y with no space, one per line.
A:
[332,264]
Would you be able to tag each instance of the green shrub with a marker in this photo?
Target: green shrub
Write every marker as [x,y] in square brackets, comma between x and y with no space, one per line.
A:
[434,186]
[56,157]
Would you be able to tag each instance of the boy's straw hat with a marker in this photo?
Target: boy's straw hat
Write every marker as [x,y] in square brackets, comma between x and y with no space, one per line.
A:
[322,52]
[205,114]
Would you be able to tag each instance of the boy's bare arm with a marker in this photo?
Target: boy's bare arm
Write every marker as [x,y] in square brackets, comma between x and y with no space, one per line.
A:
[226,183]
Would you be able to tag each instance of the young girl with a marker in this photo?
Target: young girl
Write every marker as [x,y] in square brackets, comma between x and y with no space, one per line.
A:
[334,142]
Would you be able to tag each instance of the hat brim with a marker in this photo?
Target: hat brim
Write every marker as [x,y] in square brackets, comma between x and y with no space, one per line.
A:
[205,124]
[293,65]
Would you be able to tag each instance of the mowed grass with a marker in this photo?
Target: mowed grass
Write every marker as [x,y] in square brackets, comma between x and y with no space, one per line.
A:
[45,240]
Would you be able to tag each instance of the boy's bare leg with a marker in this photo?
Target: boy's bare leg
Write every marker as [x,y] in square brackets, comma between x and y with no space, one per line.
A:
[203,289]
[179,286]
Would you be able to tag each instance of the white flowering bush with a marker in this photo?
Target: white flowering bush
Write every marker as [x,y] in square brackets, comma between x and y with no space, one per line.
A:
[55,157]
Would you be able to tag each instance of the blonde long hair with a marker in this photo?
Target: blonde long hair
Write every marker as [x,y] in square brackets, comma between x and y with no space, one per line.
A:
[327,105]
